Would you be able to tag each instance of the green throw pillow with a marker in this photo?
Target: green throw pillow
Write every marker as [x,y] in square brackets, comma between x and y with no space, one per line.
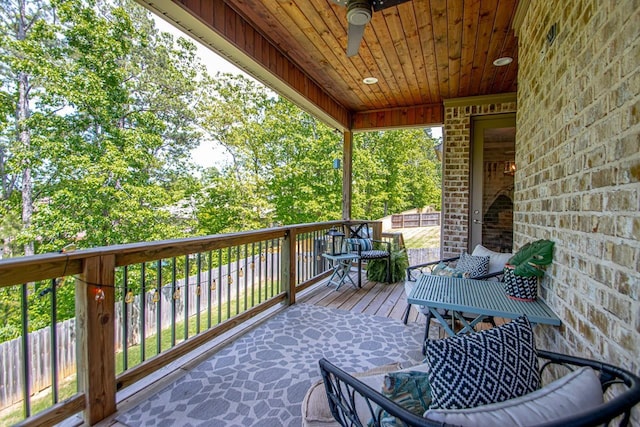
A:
[409,389]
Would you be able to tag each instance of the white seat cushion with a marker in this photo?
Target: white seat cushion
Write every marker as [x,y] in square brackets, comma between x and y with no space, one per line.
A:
[315,406]
[575,392]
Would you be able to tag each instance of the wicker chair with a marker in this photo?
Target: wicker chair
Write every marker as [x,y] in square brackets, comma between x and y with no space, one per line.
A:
[343,390]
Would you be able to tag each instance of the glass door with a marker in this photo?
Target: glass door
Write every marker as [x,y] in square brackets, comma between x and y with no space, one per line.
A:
[492,174]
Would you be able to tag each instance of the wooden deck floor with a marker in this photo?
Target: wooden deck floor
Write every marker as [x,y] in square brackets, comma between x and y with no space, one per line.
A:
[377,299]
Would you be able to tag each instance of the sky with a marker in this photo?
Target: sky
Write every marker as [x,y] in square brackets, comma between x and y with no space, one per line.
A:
[208,154]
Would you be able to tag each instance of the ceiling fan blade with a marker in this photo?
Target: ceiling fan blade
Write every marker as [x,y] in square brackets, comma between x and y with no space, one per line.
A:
[378,5]
[354,38]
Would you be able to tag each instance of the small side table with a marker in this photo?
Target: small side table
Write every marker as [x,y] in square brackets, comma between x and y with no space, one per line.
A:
[341,267]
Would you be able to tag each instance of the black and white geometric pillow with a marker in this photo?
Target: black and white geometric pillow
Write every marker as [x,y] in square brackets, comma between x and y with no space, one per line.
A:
[474,265]
[483,367]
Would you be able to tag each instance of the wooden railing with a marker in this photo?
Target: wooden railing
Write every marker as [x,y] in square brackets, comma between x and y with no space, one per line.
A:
[208,285]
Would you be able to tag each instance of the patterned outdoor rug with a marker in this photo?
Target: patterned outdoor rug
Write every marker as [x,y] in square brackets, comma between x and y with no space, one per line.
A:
[261,379]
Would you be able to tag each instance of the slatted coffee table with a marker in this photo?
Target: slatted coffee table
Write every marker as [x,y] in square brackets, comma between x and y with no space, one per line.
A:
[479,297]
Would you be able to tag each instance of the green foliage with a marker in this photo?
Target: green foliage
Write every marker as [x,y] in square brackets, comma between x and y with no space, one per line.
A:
[377,268]
[532,259]
[280,170]
[394,171]
[111,129]
[115,109]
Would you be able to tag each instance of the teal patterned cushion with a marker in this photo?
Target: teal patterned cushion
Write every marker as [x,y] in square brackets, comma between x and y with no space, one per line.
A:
[363,244]
[409,389]
[443,269]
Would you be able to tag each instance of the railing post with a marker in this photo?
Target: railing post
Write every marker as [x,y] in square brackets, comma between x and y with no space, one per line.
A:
[288,265]
[95,313]
[376,226]
[347,178]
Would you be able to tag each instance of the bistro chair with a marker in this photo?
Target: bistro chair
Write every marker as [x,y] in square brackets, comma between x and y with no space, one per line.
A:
[361,242]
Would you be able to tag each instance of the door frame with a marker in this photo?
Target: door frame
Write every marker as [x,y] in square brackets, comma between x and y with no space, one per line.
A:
[476,178]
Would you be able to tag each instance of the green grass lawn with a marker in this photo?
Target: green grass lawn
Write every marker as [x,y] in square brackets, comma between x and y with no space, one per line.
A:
[419,237]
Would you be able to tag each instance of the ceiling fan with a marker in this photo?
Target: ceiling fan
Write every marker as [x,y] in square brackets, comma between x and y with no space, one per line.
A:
[359,14]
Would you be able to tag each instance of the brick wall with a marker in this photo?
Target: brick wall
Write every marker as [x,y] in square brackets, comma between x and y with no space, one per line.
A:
[457,166]
[578,178]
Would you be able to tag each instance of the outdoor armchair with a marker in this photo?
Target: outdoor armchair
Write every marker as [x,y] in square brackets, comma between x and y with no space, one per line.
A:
[354,403]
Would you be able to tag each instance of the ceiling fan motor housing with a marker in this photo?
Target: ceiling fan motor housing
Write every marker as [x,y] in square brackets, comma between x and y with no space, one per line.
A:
[358,12]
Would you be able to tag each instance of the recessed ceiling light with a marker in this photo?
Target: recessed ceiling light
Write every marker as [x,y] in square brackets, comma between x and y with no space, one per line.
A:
[369,80]
[505,60]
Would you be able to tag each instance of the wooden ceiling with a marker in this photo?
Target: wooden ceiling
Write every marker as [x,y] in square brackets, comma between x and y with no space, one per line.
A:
[421,52]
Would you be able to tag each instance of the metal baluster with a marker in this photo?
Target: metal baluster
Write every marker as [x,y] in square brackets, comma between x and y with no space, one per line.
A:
[278,264]
[186,297]
[298,255]
[229,283]
[143,310]
[209,286]
[173,302]
[274,267]
[237,279]
[302,256]
[159,309]
[54,341]
[26,357]
[260,272]
[219,286]
[246,278]
[125,317]
[198,290]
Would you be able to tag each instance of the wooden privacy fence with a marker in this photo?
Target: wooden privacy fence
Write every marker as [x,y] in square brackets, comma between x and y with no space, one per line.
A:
[415,220]
[40,357]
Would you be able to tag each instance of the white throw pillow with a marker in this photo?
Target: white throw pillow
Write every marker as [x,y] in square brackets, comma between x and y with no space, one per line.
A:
[497,260]
[575,392]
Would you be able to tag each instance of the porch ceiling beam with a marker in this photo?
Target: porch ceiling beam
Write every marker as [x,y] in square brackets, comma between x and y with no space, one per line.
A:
[402,117]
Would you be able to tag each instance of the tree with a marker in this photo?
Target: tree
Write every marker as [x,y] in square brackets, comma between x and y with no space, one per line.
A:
[304,186]
[111,131]
[394,171]
[281,156]
[109,124]
[27,27]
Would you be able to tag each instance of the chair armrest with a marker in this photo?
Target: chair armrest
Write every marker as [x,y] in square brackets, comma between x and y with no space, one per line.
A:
[428,266]
[621,403]
[489,276]
[342,391]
